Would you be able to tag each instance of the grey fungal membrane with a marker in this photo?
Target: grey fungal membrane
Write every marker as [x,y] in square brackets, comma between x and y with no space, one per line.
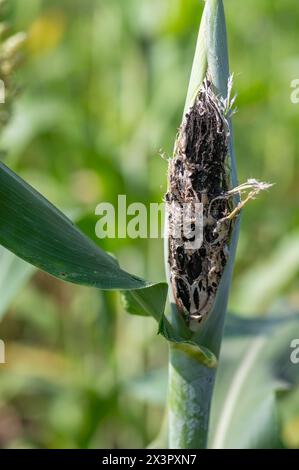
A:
[199,177]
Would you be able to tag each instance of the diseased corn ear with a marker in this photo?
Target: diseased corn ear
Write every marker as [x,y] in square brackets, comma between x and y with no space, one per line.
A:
[199,174]
[202,207]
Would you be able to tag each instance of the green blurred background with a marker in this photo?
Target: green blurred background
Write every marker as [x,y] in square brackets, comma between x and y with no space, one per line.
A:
[103,85]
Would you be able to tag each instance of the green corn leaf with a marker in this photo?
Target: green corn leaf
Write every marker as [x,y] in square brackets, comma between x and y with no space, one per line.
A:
[14,274]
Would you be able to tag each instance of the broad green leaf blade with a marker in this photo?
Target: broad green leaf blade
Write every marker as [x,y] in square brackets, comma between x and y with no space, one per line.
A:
[146,302]
[33,229]
[14,273]
[191,382]
[254,364]
[200,64]
[150,388]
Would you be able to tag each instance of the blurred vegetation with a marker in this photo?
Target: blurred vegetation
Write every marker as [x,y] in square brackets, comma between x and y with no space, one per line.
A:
[103,87]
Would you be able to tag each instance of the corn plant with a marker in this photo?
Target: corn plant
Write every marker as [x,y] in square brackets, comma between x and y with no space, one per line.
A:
[203,169]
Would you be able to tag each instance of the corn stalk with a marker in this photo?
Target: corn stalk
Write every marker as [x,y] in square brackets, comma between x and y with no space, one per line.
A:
[191,379]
